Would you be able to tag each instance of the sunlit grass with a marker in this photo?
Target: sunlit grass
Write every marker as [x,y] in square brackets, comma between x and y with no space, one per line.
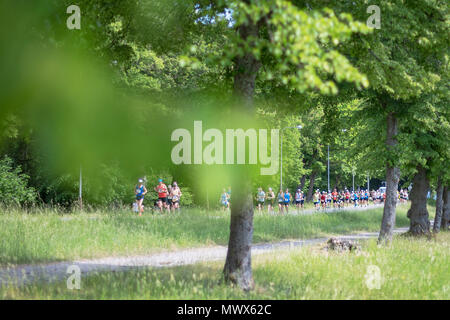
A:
[48,236]
[409,268]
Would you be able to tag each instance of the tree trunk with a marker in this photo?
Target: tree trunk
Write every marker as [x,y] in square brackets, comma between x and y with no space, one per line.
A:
[445,222]
[302,182]
[337,182]
[246,68]
[392,179]
[238,269]
[439,204]
[418,213]
[312,178]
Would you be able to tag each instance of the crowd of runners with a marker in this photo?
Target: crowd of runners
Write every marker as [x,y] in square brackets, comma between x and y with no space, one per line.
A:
[321,200]
[168,196]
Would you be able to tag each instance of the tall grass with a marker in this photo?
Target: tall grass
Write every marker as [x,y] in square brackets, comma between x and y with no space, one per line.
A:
[49,236]
[409,269]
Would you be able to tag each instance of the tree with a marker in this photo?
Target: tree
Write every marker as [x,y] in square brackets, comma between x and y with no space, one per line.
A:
[439,206]
[278,42]
[265,36]
[401,61]
[418,213]
[445,223]
[425,144]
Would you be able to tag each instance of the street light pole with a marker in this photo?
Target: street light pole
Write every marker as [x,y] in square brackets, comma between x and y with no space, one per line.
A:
[281,161]
[353,173]
[281,153]
[328,168]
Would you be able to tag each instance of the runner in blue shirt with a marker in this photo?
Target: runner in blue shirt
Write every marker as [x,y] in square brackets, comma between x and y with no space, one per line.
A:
[224,200]
[287,200]
[140,192]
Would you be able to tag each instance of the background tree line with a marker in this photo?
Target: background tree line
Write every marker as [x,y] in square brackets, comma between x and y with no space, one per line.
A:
[378,98]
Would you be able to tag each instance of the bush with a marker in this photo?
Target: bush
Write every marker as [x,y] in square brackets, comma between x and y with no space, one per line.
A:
[13,185]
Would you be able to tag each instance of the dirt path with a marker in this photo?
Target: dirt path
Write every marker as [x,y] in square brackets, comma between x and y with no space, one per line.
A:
[293,209]
[57,271]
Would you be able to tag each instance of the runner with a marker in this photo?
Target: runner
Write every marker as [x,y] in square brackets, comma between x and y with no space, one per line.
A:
[299,199]
[405,195]
[316,199]
[260,198]
[302,200]
[270,200]
[347,198]
[379,197]
[280,198]
[176,196]
[366,197]
[355,199]
[161,189]
[334,196]
[323,200]
[169,197]
[140,192]
[229,197]
[341,200]
[328,199]
[224,200]
[287,200]
[372,197]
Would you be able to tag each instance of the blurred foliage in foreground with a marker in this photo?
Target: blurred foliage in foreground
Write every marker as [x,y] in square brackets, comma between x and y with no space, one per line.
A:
[107,97]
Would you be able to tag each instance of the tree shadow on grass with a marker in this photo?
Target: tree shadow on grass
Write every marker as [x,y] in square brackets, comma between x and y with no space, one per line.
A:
[199,281]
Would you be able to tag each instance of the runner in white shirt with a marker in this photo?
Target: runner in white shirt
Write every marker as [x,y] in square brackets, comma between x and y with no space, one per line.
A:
[260,198]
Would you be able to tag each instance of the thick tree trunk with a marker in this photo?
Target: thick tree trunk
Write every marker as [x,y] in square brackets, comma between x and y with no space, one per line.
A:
[312,178]
[392,179]
[246,68]
[418,213]
[336,182]
[439,205]
[445,222]
[238,269]
[302,182]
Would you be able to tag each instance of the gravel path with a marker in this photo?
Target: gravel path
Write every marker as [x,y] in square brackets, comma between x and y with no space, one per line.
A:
[293,209]
[58,271]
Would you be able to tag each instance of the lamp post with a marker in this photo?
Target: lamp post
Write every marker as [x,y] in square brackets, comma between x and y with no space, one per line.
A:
[328,169]
[281,153]
[353,173]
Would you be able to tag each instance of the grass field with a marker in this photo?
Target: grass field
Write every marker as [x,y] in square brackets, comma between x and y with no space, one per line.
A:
[48,236]
[409,269]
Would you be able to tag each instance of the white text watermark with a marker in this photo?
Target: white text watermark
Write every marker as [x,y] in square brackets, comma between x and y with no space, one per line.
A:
[231,149]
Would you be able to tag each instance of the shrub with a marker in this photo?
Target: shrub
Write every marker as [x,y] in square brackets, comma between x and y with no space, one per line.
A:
[14,188]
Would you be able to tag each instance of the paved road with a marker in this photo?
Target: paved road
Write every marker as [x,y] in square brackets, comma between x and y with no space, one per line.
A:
[57,271]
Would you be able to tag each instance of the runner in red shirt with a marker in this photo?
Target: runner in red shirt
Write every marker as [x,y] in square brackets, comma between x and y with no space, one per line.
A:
[323,200]
[334,194]
[162,191]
